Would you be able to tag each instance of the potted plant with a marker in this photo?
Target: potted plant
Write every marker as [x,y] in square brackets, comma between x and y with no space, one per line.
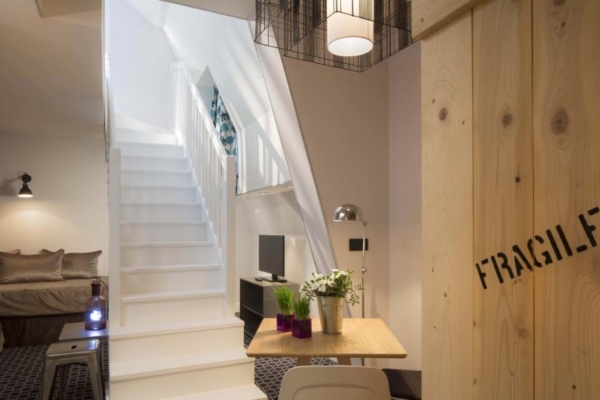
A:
[302,323]
[331,291]
[285,301]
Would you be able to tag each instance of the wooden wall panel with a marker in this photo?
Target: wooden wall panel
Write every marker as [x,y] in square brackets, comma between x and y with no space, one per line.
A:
[448,212]
[428,15]
[566,54]
[503,199]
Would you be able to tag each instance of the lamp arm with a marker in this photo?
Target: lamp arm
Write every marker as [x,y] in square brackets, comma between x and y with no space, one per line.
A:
[363,269]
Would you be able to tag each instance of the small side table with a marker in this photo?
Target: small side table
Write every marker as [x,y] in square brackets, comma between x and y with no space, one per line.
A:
[76,331]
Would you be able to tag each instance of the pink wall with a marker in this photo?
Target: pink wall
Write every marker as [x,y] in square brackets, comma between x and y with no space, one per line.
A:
[405,202]
[344,121]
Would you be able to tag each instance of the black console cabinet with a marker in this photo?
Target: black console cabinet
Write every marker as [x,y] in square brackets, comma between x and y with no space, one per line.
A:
[257,301]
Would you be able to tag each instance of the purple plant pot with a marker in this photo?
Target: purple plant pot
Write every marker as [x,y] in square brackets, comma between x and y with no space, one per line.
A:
[302,329]
[284,322]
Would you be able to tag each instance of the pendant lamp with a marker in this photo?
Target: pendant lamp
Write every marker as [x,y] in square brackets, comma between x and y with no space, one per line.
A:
[348,33]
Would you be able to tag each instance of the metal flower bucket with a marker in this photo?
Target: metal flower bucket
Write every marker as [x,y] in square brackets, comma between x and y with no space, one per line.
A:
[331,313]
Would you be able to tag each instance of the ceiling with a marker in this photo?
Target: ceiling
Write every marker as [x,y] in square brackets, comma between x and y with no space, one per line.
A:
[244,9]
[50,73]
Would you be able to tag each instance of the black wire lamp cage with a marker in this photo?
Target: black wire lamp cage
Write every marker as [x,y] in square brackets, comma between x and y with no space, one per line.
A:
[348,34]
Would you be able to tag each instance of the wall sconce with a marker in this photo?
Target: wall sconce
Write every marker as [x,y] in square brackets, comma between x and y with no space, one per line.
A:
[25,192]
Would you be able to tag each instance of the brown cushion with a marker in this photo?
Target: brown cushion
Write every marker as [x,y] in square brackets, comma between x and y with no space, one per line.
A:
[15,268]
[79,265]
[17,251]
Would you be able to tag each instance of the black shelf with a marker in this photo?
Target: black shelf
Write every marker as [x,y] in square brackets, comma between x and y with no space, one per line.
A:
[257,301]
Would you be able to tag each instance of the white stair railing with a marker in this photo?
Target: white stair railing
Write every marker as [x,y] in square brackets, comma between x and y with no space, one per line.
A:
[213,169]
[113,154]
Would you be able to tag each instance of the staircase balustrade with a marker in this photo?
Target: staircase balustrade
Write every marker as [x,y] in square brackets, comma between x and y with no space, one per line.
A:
[113,156]
[213,169]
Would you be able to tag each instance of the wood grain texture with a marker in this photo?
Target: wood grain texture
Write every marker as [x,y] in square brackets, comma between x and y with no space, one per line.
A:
[368,338]
[429,15]
[447,149]
[503,198]
[566,45]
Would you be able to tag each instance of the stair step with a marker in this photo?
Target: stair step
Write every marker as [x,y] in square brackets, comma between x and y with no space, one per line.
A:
[149,254]
[159,279]
[170,365]
[131,332]
[150,149]
[154,163]
[161,212]
[176,295]
[184,375]
[168,194]
[160,232]
[140,232]
[130,344]
[145,137]
[167,223]
[172,307]
[170,268]
[156,178]
[245,392]
[166,244]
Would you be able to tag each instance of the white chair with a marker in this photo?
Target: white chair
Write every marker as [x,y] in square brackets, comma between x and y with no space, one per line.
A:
[334,382]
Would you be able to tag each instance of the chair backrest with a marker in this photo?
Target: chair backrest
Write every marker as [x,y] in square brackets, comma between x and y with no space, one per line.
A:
[334,382]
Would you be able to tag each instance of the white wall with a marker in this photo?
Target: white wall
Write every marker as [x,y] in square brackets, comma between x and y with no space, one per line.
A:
[276,214]
[225,45]
[141,59]
[261,159]
[405,202]
[69,208]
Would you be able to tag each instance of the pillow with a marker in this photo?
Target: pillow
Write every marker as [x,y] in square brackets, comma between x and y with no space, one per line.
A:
[15,268]
[79,265]
[17,251]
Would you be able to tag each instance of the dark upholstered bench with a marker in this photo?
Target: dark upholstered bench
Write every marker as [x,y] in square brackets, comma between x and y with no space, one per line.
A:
[404,384]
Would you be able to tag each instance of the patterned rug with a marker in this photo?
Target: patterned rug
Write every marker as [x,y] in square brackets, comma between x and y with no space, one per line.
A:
[21,371]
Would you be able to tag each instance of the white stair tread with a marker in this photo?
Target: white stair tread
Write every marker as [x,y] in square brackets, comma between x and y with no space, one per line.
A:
[151,203]
[170,187]
[167,244]
[157,131]
[144,144]
[180,294]
[178,223]
[245,392]
[156,172]
[171,365]
[144,157]
[127,332]
[170,268]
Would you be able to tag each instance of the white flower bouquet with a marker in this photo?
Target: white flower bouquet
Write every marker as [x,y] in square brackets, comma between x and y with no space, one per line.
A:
[338,284]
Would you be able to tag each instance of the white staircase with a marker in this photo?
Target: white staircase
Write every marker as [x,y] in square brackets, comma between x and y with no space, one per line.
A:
[173,334]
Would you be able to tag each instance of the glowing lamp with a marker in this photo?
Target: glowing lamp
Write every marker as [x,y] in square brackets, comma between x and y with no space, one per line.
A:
[348,34]
[95,309]
[25,192]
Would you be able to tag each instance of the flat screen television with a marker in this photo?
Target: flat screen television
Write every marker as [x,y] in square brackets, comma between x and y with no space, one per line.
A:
[271,256]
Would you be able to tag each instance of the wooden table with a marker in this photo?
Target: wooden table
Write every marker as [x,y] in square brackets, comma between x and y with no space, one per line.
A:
[76,331]
[360,338]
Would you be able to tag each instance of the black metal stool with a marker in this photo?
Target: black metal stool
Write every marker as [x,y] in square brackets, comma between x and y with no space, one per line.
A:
[404,384]
[73,352]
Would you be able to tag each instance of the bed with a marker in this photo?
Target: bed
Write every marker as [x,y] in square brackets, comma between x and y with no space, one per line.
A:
[41,292]
[34,313]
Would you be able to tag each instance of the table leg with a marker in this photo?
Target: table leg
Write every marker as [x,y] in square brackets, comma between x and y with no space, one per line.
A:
[303,361]
[344,361]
